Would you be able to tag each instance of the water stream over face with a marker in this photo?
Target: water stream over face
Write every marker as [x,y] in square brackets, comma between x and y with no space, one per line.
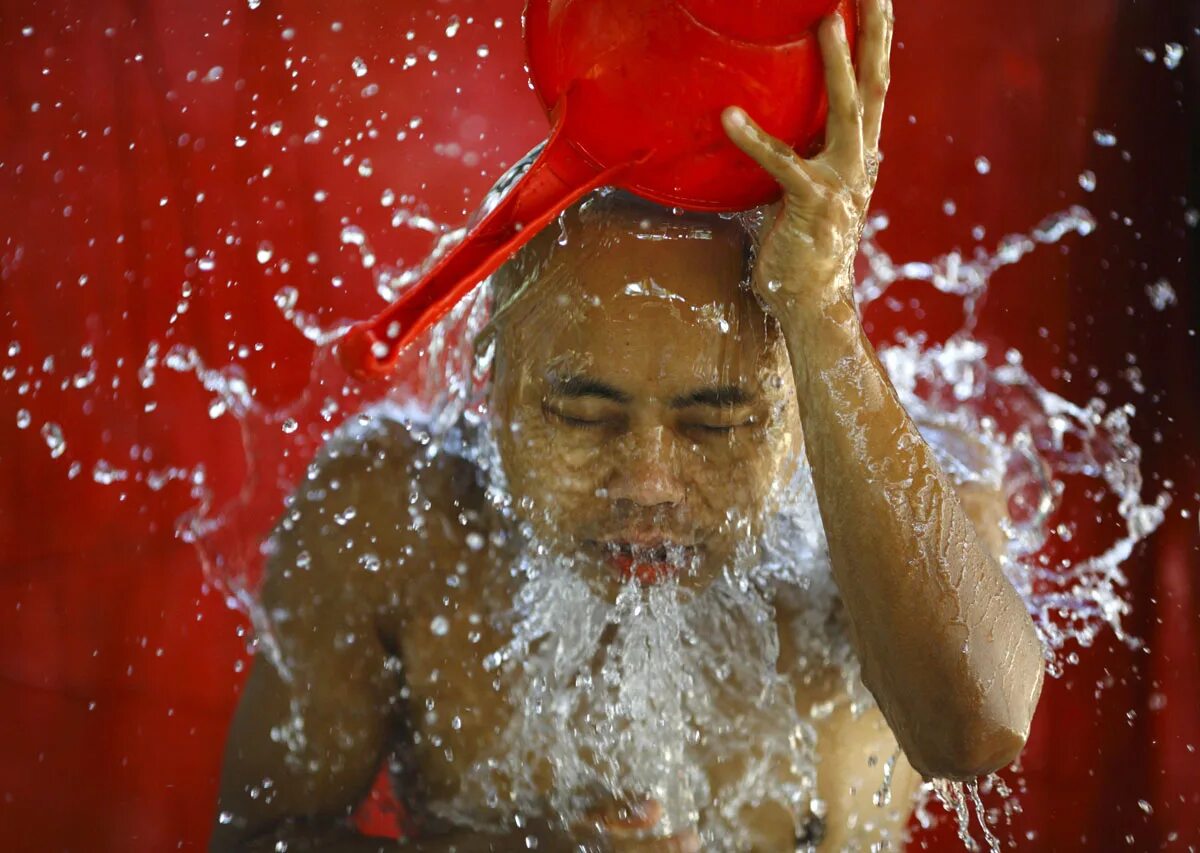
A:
[649,698]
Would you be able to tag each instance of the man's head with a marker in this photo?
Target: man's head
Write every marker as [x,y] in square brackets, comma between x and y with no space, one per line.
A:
[643,401]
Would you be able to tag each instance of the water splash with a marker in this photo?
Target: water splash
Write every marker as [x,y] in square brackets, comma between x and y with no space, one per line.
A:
[1042,449]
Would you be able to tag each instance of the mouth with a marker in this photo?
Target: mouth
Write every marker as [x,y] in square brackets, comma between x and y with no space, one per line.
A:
[650,561]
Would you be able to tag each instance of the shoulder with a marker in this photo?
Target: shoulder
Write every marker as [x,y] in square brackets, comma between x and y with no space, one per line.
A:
[360,525]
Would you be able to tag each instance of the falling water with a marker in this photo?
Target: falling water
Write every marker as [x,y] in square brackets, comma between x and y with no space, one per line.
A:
[1045,451]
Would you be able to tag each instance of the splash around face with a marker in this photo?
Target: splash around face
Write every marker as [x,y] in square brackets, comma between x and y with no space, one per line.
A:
[642,400]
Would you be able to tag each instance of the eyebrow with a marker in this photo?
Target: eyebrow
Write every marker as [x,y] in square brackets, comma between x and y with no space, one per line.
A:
[583,386]
[717,396]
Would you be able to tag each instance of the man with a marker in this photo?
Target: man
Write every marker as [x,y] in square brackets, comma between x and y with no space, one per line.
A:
[613,624]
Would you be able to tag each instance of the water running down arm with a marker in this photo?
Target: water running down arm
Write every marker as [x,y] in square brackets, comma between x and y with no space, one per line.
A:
[946,644]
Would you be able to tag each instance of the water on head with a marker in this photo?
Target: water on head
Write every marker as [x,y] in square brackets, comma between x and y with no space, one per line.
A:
[676,634]
[642,400]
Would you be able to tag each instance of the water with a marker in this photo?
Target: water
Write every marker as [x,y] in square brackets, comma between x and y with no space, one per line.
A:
[1042,449]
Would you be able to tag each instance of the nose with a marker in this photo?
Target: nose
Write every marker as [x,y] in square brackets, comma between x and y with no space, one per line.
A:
[645,471]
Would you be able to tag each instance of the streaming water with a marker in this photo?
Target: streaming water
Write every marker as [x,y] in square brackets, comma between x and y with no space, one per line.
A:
[687,673]
[1042,449]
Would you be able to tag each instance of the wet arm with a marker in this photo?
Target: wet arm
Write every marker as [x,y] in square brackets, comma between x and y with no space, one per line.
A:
[947,646]
[317,714]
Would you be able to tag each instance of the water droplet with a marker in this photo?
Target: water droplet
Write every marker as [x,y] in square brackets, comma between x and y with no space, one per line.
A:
[1161,294]
[983,165]
[265,252]
[24,419]
[365,168]
[482,51]
[452,27]
[370,562]
[440,626]
[1104,138]
[286,298]
[475,541]
[105,474]
[290,426]
[1172,54]
[53,435]
[1087,180]
[360,67]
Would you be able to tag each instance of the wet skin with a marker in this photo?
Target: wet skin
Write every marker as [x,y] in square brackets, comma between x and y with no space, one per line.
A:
[358,645]
[627,416]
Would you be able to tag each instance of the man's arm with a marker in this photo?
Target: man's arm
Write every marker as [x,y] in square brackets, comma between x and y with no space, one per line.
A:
[314,719]
[946,644]
[857,747]
[318,712]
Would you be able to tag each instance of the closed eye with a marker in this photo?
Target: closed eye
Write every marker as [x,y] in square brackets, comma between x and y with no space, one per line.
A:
[572,421]
[720,429]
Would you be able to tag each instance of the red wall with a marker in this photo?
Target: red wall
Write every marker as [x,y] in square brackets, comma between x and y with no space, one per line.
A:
[119,666]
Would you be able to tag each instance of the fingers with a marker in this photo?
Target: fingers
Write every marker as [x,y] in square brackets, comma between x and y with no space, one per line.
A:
[778,159]
[844,127]
[874,65]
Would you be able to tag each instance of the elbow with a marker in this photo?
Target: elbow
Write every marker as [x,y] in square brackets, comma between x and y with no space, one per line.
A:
[972,756]
[984,740]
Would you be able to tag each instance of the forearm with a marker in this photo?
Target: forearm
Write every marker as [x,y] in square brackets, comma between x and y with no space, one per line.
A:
[947,646]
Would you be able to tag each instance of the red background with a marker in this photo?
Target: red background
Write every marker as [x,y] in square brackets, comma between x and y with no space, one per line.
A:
[120,667]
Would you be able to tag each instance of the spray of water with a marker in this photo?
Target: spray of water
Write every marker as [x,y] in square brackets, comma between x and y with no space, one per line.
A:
[645,719]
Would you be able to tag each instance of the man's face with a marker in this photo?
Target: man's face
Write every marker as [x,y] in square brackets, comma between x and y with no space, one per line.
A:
[644,414]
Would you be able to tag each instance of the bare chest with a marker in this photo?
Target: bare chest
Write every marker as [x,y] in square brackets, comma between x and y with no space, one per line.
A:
[466,764]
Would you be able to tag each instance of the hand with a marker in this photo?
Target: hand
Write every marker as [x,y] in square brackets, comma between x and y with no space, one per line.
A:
[623,827]
[809,242]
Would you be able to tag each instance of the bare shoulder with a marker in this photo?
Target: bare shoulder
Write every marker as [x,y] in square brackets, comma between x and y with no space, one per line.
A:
[362,524]
[318,711]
